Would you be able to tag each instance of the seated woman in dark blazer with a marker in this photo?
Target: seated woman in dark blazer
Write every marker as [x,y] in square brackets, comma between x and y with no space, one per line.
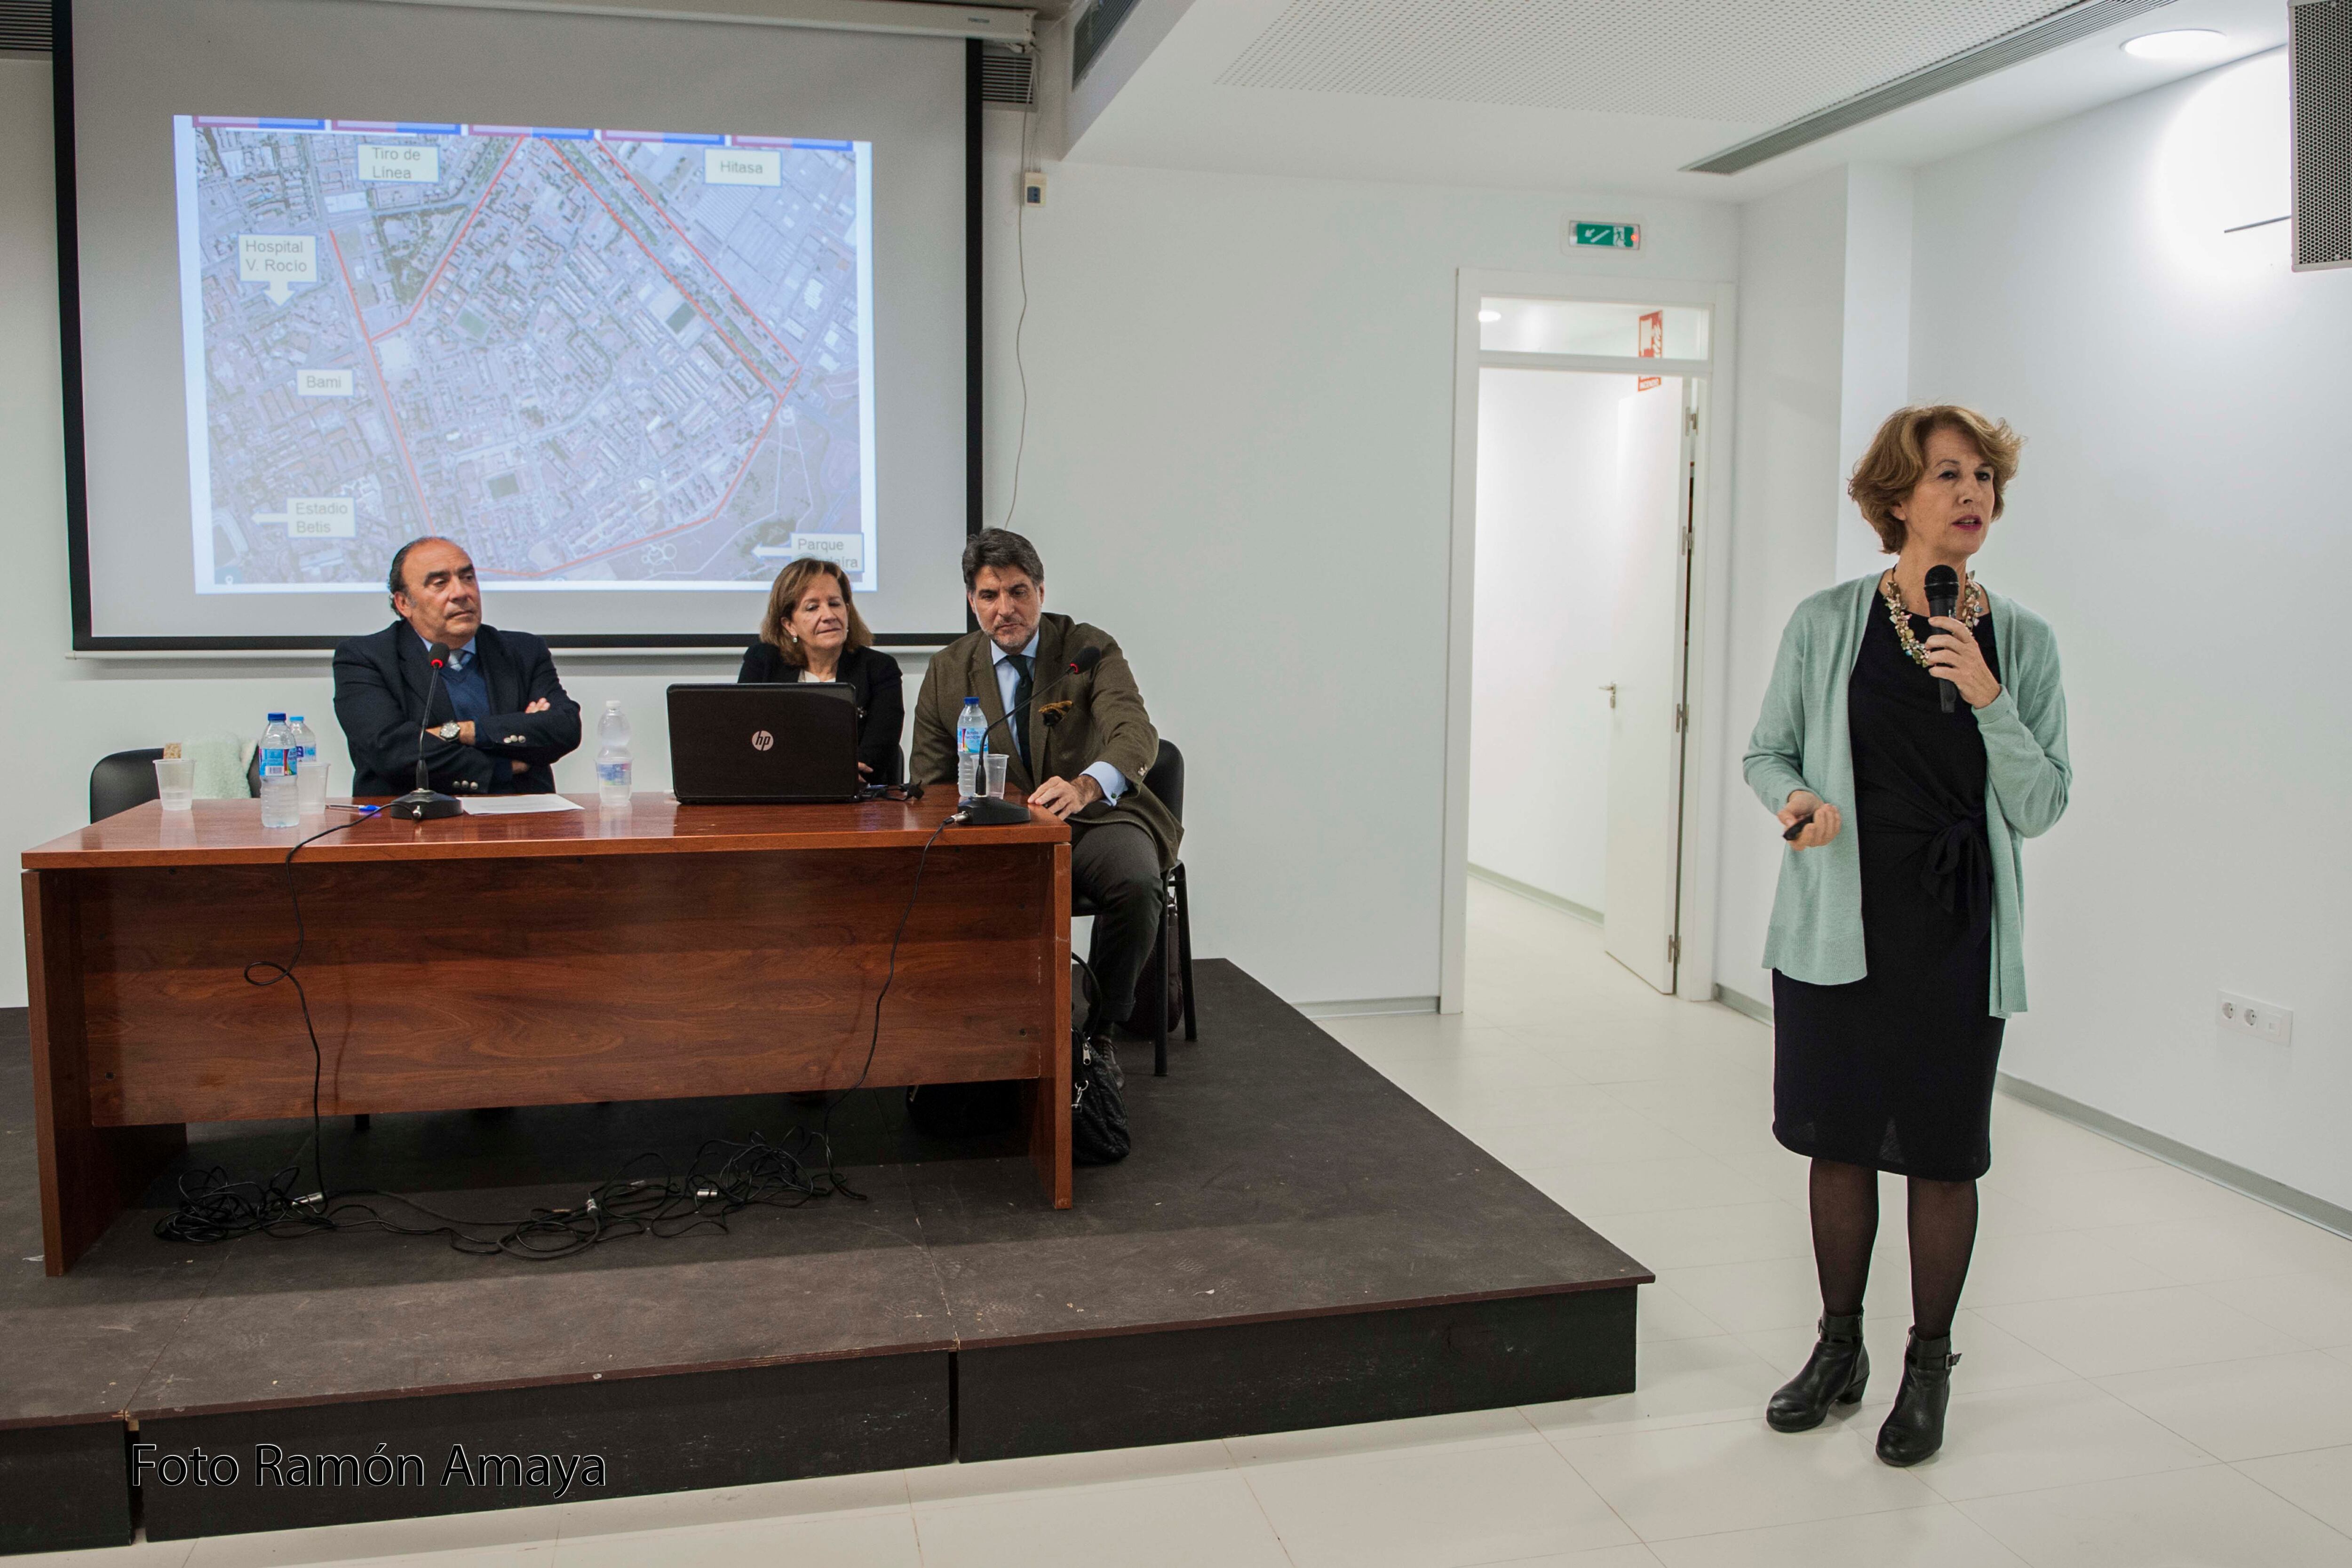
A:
[812,631]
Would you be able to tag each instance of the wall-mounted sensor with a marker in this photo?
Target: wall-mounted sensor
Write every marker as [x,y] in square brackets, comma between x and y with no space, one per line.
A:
[1032,189]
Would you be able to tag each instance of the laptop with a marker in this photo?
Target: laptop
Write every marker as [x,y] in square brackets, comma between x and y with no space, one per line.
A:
[763,745]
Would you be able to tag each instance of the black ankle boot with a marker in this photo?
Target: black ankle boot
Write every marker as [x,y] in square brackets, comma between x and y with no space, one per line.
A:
[1915,1427]
[1836,1373]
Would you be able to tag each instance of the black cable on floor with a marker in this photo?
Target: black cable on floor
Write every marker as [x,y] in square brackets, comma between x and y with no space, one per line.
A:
[725,1178]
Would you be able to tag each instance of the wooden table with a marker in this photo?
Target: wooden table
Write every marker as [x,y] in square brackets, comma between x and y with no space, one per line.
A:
[662,951]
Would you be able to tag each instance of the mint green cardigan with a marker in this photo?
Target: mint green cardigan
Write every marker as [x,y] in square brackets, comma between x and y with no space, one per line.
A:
[1801,742]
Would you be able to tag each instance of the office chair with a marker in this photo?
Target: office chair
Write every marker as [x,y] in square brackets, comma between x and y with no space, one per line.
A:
[1166,780]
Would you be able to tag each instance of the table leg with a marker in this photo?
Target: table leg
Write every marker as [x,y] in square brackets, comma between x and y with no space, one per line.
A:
[1049,1112]
[87,1173]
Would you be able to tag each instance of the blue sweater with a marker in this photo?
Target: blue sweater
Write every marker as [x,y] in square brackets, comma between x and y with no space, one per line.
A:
[1801,742]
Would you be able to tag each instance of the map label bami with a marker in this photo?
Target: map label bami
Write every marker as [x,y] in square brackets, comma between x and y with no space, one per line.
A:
[741,166]
[322,384]
[403,163]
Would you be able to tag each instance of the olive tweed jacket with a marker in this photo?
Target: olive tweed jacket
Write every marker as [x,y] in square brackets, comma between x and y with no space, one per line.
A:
[1097,717]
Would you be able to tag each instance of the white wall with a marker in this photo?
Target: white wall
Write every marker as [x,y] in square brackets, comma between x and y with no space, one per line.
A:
[1238,460]
[2180,519]
[1874,345]
[1550,531]
[1240,452]
[1787,482]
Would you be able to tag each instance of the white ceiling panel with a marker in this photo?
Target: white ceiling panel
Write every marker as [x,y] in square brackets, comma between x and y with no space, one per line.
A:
[1696,60]
[1586,95]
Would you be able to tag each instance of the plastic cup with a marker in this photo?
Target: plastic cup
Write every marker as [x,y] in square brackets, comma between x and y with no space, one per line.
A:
[997,761]
[313,784]
[175,783]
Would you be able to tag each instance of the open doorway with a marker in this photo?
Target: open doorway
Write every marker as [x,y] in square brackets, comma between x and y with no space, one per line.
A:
[1587,479]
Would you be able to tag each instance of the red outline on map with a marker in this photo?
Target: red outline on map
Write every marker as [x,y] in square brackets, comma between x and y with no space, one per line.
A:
[382,387]
[455,241]
[674,283]
[682,528]
[664,212]
[392,413]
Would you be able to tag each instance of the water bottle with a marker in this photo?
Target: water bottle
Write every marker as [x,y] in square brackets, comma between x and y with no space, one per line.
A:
[280,807]
[310,777]
[972,745]
[614,775]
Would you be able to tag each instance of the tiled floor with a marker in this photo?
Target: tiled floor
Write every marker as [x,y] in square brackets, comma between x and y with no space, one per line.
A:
[2158,1373]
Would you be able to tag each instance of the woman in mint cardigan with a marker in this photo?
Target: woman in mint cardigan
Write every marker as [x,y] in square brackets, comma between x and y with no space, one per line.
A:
[1895,943]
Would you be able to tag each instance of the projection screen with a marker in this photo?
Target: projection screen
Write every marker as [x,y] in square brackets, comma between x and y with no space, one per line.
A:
[635,309]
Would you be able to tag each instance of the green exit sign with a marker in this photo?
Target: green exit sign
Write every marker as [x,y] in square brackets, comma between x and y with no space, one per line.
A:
[1609,236]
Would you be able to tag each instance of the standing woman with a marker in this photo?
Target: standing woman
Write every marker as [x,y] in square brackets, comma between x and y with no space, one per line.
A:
[812,631]
[1896,940]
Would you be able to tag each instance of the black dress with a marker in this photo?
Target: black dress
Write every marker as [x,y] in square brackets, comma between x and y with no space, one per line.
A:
[874,681]
[1895,1070]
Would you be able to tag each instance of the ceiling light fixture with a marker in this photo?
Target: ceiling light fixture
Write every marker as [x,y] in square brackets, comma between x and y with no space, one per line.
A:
[2181,43]
[2061,27]
[1490,315]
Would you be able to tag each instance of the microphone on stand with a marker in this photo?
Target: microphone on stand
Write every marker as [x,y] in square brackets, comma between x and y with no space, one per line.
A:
[424,803]
[1943,599]
[986,812]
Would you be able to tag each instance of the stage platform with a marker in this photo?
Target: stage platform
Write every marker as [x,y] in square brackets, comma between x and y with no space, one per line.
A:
[1295,1242]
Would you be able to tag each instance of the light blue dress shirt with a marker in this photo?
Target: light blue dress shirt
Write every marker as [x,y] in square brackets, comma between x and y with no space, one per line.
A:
[1008,677]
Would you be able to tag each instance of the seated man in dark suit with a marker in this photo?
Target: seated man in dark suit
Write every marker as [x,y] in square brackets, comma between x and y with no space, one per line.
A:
[1081,753]
[500,718]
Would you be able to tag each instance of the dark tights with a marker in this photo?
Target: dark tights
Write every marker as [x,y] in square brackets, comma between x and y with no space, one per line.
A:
[1943,1226]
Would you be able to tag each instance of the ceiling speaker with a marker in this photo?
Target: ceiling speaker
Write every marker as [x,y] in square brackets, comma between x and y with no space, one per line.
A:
[2319,52]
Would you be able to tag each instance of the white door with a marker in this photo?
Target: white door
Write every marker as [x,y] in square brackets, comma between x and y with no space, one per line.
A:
[1655,477]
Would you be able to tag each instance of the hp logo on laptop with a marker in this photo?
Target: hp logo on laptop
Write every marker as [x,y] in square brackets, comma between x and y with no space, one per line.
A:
[763,741]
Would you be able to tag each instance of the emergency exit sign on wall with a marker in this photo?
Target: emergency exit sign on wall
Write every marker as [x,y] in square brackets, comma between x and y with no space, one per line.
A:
[1608,235]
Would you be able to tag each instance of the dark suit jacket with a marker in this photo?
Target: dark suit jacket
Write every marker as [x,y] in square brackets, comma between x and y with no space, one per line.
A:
[881,689]
[380,685]
[1097,717]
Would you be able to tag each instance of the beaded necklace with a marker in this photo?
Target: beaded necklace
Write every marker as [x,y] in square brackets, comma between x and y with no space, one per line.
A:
[1971,610]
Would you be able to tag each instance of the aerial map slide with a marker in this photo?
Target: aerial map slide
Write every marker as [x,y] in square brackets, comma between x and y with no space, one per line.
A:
[599,359]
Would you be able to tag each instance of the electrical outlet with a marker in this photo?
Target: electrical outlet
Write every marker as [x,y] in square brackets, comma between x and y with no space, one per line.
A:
[2265,1021]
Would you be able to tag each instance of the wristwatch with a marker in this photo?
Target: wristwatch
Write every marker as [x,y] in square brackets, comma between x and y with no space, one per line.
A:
[447,732]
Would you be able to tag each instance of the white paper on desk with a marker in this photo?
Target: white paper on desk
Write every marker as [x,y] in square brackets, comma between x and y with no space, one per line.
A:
[518,804]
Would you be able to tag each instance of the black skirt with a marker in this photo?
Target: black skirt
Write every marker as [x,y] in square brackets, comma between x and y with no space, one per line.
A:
[1896,1069]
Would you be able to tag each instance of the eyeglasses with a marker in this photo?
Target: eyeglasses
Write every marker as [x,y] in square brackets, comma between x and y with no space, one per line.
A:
[902,792]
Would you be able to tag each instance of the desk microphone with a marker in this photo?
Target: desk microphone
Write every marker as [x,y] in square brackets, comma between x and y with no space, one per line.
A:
[1943,599]
[988,812]
[424,803]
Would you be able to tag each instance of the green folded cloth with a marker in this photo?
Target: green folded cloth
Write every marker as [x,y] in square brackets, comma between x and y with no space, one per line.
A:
[220,763]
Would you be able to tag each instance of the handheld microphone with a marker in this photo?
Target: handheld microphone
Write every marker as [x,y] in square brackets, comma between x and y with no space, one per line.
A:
[988,812]
[1943,599]
[424,803]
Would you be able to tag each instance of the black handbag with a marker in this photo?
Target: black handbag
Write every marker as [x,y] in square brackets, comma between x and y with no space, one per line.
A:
[1099,1134]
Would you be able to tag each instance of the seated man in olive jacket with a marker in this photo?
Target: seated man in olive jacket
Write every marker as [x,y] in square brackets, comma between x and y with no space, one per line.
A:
[500,718]
[1080,749]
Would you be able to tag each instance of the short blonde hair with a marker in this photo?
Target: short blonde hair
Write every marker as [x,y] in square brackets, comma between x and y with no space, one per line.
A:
[791,583]
[1891,469]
